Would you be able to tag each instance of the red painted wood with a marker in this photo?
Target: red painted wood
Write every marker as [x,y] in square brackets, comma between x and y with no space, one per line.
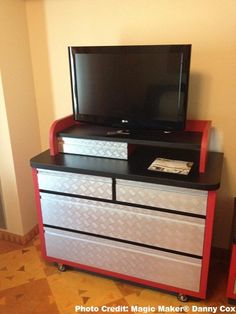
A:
[232,275]
[204,127]
[39,212]
[56,127]
[207,242]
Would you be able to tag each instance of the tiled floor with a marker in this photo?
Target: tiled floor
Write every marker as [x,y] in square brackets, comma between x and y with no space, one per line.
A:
[30,285]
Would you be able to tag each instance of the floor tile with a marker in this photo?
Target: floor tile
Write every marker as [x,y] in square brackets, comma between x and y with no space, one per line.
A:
[32,298]
[19,267]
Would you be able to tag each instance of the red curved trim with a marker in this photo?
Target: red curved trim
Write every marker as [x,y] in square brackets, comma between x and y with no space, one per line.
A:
[211,200]
[232,275]
[56,127]
[39,211]
[204,127]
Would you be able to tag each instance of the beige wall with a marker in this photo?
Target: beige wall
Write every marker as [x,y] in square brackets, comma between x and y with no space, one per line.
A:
[209,25]
[19,122]
[52,25]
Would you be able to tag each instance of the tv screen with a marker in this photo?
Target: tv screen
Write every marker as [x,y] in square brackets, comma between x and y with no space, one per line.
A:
[131,87]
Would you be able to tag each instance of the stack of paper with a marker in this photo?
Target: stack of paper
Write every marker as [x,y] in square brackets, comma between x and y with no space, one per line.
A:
[171,166]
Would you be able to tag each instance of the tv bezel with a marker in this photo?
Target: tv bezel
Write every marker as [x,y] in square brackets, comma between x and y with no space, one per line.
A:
[127,122]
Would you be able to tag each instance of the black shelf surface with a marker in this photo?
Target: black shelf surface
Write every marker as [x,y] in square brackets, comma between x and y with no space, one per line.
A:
[178,139]
[136,167]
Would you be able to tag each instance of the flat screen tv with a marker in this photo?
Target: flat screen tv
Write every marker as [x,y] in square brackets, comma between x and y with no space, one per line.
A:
[131,87]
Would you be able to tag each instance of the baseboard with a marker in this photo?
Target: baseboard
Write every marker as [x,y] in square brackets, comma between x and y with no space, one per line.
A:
[15,238]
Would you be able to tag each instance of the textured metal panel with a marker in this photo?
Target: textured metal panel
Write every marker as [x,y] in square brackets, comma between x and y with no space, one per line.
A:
[95,148]
[173,198]
[74,183]
[165,268]
[175,232]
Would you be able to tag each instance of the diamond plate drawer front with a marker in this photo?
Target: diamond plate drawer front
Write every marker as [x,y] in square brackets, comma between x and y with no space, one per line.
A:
[74,183]
[95,148]
[175,232]
[173,198]
[148,264]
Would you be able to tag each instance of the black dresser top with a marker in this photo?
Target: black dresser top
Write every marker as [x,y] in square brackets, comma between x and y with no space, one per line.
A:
[136,167]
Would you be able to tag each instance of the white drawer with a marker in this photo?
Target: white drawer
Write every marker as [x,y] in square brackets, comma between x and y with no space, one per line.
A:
[166,230]
[168,197]
[74,183]
[148,264]
[96,148]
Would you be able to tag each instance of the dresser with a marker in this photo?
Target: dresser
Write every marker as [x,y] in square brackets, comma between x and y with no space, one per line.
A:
[113,216]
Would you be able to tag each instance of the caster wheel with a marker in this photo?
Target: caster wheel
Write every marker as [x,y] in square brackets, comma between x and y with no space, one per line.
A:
[182,297]
[61,267]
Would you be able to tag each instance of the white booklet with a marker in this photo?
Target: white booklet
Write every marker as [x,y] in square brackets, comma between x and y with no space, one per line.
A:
[171,166]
